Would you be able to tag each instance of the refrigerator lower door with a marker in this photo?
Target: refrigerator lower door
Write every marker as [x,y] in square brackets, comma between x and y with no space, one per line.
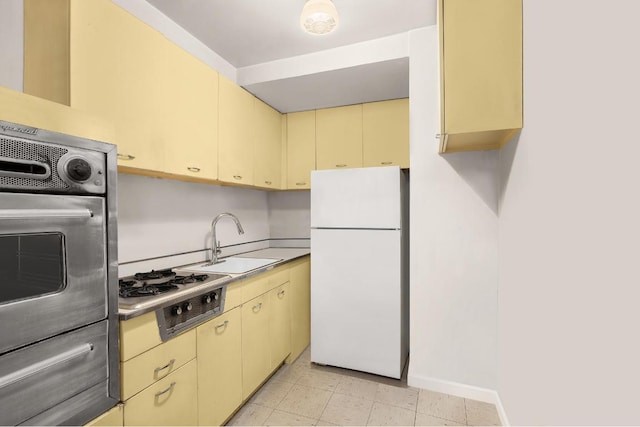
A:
[356,304]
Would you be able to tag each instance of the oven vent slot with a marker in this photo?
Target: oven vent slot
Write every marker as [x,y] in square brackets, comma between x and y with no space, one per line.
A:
[24,169]
[29,158]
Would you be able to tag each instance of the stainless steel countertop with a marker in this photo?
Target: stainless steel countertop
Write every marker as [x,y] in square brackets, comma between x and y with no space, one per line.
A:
[285,254]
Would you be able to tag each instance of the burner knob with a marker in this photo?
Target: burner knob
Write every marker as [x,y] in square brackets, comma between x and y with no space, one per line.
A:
[206,299]
[177,310]
[187,307]
[215,296]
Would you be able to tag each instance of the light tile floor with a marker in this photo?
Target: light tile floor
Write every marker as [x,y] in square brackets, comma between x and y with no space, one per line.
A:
[303,394]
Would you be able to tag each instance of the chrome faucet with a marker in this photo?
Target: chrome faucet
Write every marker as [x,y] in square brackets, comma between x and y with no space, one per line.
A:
[215,244]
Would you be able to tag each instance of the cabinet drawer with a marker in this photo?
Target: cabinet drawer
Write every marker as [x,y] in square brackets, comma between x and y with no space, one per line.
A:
[233,295]
[278,276]
[254,287]
[171,401]
[138,335]
[157,363]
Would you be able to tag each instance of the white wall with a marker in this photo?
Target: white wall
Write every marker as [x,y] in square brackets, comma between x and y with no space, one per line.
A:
[158,217]
[454,236]
[290,214]
[569,220]
[11,44]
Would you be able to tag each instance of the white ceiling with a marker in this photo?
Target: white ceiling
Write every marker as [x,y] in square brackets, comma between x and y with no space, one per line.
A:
[250,32]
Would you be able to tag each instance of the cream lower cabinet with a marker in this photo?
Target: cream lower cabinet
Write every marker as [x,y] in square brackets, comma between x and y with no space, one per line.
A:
[219,367]
[113,417]
[300,286]
[256,358]
[279,324]
[171,401]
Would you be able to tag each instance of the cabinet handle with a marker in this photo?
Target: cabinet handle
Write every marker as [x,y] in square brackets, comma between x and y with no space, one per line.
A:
[386,163]
[126,156]
[341,166]
[166,390]
[301,183]
[192,169]
[257,308]
[281,293]
[222,325]
[238,177]
[268,182]
[168,365]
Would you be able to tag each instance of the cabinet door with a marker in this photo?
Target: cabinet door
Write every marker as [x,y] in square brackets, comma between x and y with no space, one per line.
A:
[141,75]
[339,137]
[481,69]
[219,368]
[235,156]
[385,133]
[267,143]
[171,401]
[301,149]
[280,324]
[192,116]
[300,274]
[256,360]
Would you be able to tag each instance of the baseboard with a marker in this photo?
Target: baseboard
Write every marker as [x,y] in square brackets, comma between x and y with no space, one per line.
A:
[461,390]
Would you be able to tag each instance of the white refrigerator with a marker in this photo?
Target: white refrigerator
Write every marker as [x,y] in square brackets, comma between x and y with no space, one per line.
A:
[359,269]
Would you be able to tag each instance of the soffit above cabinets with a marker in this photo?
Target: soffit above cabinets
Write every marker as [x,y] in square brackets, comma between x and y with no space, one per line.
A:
[364,60]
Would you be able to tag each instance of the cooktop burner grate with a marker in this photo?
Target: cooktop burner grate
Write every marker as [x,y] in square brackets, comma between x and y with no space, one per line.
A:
[155,283]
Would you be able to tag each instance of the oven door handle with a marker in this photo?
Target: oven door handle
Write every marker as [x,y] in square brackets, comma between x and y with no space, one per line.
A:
[45,364]
[44,213]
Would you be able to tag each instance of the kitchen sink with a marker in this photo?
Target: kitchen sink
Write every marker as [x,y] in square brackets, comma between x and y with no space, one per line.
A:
[234,265]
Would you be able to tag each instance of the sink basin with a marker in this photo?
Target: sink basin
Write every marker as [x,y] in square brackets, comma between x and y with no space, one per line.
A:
[234,265]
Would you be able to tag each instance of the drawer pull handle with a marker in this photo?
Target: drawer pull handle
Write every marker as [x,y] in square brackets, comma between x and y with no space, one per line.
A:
[301,183]
[168,365]
[257,308]
[386,163]
[341,166]
[268,182]
[281,293]
[192,169]
[126,157]
[166,390]
[222,325]
[238,177]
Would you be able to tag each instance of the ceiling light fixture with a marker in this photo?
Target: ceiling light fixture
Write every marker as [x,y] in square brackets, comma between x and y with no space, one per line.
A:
[319,17]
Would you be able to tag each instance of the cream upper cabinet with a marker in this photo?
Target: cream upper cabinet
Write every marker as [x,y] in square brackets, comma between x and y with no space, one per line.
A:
[267,143]
[481,69]
[192,116]
[219,368]
[300,285]
[301,149]
[118,70]
[339,137]
[385,133]
[235,135]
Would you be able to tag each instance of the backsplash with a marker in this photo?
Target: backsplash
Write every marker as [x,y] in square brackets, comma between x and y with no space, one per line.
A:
[165,223]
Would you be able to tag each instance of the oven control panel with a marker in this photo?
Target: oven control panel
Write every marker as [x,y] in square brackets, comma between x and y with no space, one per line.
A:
[186,314]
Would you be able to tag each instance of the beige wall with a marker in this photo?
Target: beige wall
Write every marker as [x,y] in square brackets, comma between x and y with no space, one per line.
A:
[569,227]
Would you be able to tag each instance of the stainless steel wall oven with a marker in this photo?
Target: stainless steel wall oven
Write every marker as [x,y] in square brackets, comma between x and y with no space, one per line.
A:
[58,277]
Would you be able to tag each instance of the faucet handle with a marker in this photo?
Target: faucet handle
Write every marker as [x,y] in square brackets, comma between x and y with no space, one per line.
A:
[218,250]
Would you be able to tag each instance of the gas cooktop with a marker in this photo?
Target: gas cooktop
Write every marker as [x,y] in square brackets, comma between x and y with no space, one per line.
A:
[179,300]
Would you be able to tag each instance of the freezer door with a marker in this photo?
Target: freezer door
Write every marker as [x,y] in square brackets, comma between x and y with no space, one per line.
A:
[356,308]
[356,198]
